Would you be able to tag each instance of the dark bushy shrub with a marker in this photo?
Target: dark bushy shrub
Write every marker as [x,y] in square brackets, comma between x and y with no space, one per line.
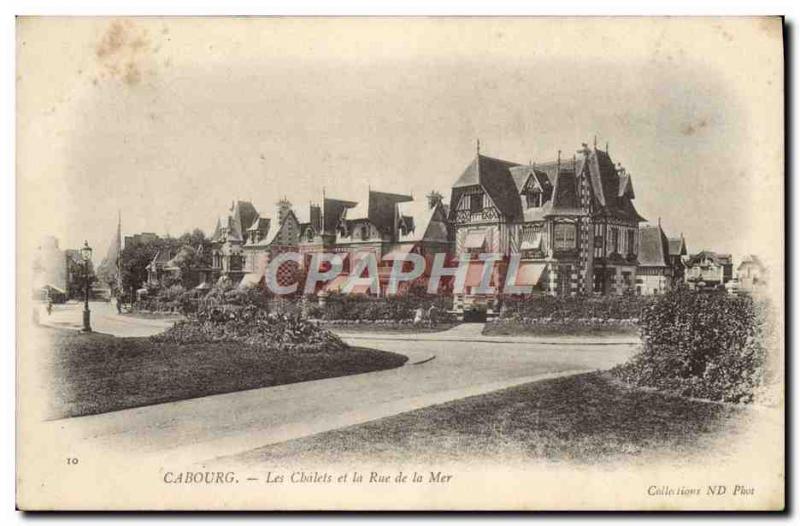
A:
[342,307]
[253,324]
[700,345]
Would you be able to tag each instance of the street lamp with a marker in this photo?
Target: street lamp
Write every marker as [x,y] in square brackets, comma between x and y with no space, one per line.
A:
[86,255]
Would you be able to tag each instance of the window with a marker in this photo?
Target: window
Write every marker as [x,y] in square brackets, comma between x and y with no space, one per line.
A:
[615,240]
[534,198]
[475,203]
[631,241]
[364,233]
[564,234]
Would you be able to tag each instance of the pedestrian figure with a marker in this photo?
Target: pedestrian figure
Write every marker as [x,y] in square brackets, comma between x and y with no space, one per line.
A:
[418,316]
[431,313]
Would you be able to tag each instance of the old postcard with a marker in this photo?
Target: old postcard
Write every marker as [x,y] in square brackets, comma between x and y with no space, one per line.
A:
[400,263]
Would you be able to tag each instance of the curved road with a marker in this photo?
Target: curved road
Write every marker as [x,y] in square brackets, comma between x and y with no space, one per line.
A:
[464,363]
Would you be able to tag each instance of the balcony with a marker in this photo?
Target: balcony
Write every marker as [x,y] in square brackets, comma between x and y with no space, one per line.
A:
[468,216]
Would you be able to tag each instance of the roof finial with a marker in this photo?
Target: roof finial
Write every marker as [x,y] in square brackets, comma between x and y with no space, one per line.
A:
[595,141]
[559,161]
[659,221]
[607,148]
[478,146]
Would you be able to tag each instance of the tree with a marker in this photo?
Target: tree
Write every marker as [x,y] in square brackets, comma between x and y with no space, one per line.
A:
[137,256]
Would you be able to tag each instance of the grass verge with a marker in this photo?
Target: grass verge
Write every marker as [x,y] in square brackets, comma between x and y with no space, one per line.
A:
[96,373]
[587,418]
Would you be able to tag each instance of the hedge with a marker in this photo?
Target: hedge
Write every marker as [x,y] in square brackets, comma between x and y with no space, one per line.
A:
[701,345]
[342,307]
[540,307]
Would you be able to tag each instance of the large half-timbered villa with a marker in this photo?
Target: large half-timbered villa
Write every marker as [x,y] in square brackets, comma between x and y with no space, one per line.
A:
[571,221]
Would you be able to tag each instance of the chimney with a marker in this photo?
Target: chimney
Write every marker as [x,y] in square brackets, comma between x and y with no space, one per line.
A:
[284,207]
[434,198]
[315,215]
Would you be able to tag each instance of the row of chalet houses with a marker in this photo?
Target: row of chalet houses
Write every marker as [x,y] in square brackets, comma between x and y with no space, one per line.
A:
[384,224]
[572,222]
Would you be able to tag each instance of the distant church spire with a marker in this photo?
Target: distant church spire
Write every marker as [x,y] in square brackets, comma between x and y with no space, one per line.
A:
[478,146]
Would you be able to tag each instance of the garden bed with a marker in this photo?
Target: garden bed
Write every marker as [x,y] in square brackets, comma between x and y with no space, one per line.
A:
[96,373]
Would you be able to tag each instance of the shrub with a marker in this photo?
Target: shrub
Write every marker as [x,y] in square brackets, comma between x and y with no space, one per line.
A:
[700,345]
[341,307]
[577,307]
[251,323]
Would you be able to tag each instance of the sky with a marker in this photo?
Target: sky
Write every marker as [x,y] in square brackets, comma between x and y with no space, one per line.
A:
[168,120]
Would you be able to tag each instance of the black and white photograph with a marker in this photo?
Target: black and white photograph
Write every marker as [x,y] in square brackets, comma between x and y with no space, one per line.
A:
[400,263]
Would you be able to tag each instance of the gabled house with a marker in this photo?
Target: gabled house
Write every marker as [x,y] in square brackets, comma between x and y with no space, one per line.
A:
[572,221]
[268,236]
[318,225]
[708,270]
[751,274]
[227,241]
[186,267]
[421,228]
[655,273]
[677,257]
[156,268]
[368,227]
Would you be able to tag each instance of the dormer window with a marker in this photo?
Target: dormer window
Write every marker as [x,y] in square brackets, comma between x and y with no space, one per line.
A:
[534,198]
[364,233]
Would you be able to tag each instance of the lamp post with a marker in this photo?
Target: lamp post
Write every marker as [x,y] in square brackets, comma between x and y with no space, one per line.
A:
[86,255]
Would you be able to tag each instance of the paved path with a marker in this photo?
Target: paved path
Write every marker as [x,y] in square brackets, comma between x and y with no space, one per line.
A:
[104,318]
[222,425]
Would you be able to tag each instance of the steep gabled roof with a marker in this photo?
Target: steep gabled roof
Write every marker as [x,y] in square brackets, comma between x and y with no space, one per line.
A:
[751,260]
[159,260]
[260,223]
[424,222]
[719,259]
[379,209]
[185,253]
[239,217]
[565,195]
[494,176]
[677,246]
[270,228]
[626,186]
[332,211]
[521,174]
[653,248]
[612,189]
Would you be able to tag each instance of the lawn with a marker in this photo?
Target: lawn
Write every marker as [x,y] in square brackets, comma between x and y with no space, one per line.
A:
[512,328]
[96,373]
[588,418]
